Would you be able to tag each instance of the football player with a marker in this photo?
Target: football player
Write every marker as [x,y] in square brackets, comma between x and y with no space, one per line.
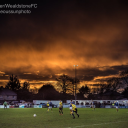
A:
[74,109]
[61,108]
[47,106]
[70,107]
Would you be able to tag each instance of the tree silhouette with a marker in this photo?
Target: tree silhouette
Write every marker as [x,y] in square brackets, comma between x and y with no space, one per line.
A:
[65,84]
[124,77]
[116,83]
[47,92]
[113,84]
[84,90]
[13,83]
[23,92]
[26,86]
[102,88]
[125,92]
[1,87]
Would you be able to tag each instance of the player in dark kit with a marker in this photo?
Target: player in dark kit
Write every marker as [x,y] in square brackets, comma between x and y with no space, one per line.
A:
[70,107]
[74,109]
[117,105]
[61,108]
[93,106]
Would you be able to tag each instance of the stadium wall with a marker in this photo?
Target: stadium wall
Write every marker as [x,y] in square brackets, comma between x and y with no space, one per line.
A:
[102,102]
[79,104]
[45,101]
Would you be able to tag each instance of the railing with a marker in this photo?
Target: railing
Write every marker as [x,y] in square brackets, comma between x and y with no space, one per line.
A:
[65,106]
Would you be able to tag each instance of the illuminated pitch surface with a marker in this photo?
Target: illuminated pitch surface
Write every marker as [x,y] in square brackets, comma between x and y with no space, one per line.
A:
[100,118]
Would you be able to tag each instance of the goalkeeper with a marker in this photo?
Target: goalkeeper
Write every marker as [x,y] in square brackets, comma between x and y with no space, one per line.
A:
[5,105]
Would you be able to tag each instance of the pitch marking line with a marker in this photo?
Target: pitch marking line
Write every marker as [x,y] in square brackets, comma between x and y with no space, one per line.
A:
[97,124]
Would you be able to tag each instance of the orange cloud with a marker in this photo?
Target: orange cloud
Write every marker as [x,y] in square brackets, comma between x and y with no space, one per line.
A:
[49,43]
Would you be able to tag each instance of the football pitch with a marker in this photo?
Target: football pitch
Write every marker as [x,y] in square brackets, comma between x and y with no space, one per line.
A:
[100,118]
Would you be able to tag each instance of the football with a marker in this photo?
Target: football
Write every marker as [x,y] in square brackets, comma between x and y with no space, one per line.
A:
[34,115]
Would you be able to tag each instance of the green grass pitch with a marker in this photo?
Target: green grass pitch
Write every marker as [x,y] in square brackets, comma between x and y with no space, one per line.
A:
[100,118]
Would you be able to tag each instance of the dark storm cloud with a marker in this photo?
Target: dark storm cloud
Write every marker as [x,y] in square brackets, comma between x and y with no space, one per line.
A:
[119,68]
[60,18]
[59,34]
[90,73]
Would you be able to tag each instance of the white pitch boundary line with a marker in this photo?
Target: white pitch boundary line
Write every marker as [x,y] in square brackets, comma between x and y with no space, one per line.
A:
[97,124]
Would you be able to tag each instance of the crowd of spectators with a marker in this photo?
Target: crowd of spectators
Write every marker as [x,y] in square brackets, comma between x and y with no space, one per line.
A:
[16,104]
[99,104]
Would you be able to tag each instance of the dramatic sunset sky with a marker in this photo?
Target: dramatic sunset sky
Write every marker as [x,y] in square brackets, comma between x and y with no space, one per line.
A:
[40,46]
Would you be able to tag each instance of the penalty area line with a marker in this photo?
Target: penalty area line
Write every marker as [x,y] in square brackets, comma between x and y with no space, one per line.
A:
[96,124]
